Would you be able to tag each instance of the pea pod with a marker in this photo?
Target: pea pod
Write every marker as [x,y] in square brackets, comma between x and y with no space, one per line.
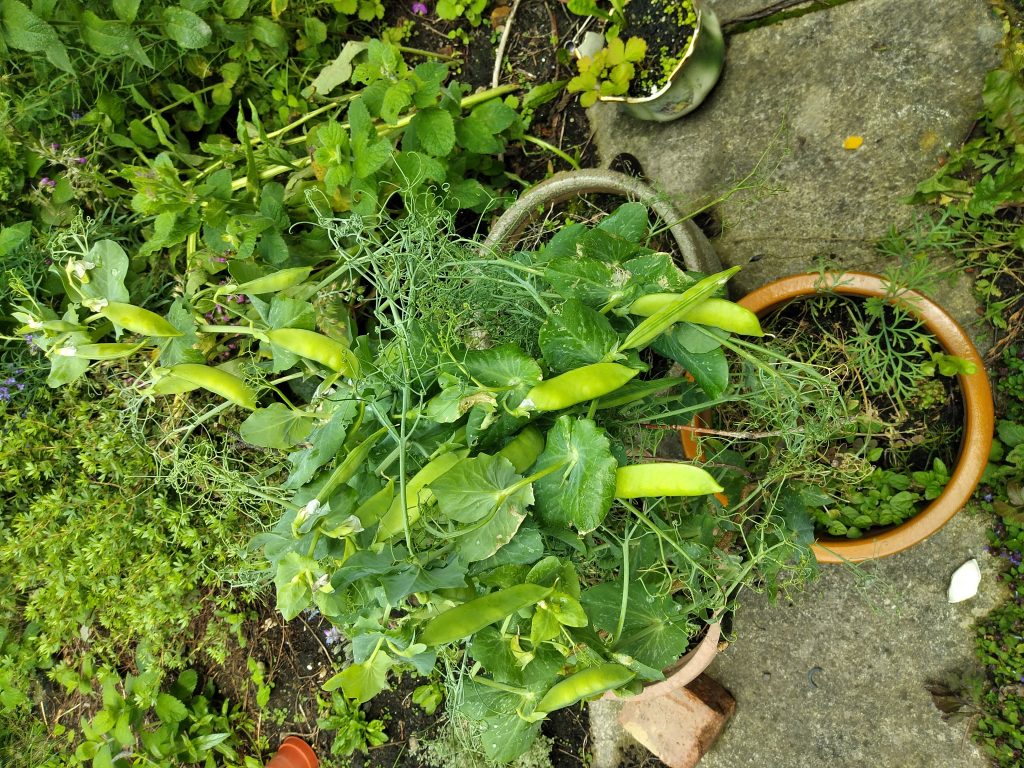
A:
[524,448]
[272,283]
[585,684]
[668,478]
[371,510]
[416,493]
[662,319]
[225,384]
[99,351]
[137,319]
[469,618]
[316,346]
[348,467]
[577,386]
[717,313]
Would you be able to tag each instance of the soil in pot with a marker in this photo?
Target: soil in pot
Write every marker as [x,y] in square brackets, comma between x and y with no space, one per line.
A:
[667,26]
[903,419]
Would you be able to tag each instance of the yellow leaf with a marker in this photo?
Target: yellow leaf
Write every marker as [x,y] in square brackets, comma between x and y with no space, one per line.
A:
[853,142]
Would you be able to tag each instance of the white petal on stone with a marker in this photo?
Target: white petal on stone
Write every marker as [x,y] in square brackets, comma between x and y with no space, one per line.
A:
[964,584]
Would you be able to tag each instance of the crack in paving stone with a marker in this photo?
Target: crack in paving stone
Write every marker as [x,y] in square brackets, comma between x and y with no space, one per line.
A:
[777,13]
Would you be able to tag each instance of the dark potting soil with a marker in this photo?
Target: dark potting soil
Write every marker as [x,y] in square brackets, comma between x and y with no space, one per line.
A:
[927,424]
[667,26]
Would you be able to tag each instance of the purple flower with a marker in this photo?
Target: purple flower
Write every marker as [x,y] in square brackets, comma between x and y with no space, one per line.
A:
[81,160]
[76,115]
[5,395]
[332,635]
[46,181]
[55,146]
[420,9]
[1015,558]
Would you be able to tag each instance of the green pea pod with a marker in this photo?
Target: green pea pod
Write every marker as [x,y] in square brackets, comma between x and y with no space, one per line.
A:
[717,313]
[664,318]
[225,384]
[668,478]
[577,386]
[137,319]
[272,283]
[99,351]
[585,684]
[469,618]
[351,464]
[169,384]
[371,510]
[416,493]
[524,448]
[316,346]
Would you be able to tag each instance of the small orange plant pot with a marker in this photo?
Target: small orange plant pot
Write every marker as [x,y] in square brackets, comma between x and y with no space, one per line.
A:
[294,753]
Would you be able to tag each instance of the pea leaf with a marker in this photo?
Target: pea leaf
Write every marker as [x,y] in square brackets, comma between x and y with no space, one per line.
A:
[25,31]
[186,28]
[14,236]
[112,38]
[336,72]
[292,583]
[361,682]
[628,221]
[477,487]
[504,366]
[324,441]
[506,735]
[276,426]
[180,349]
[709,369]
[434,130]
[592,282]
[655,631]
[576,335]
[580,491]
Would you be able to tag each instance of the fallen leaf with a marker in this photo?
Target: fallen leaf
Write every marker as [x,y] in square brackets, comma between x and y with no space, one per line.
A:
[498,15]
[853,142]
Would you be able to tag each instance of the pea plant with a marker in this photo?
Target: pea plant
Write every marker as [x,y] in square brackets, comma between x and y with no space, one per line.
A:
[473,478]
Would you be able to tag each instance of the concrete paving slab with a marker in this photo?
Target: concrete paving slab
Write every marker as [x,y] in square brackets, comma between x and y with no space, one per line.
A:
[837,677]
[906,75]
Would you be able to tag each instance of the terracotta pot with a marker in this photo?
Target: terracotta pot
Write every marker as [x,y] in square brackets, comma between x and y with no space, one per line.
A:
[684,671]
[294,753]
[696,251]
[979,417]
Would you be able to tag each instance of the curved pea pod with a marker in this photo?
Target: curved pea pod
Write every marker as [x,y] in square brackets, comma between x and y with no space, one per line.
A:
[225,384]
[272,283]
[668,478]
[524,448]
[585,684]
[137,319]
[416,493]
[717,313]
[347,467]
[99,351]
[316,346]
[577,386]
[469,618]
[371,510]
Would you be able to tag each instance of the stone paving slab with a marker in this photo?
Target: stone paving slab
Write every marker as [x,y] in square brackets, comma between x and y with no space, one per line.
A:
[906,75]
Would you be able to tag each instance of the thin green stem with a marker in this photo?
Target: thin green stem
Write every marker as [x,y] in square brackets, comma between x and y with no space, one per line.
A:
[553,150]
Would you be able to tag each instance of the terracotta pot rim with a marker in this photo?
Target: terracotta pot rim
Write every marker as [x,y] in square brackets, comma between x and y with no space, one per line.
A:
[979,417]
[687,669]
[294,752]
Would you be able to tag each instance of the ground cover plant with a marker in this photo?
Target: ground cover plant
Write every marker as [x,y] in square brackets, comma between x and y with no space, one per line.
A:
[978,193]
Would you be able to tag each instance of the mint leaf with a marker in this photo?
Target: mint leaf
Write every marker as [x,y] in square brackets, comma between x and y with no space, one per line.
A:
[25,31]
[170,709]
[185,28]
[434,130]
